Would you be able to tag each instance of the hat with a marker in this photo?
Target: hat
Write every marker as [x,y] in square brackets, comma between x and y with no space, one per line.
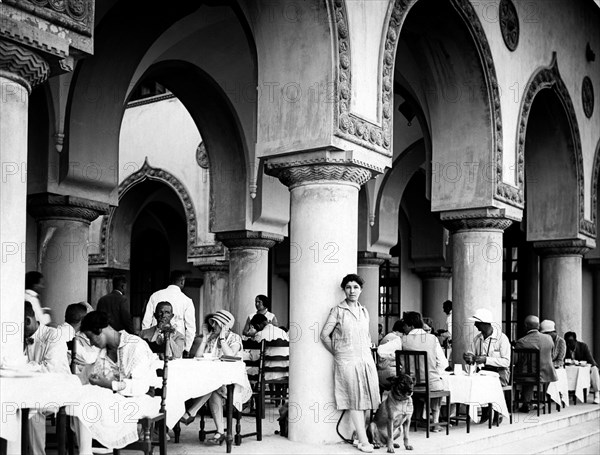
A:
[482,315]
[547,326]
[224,318]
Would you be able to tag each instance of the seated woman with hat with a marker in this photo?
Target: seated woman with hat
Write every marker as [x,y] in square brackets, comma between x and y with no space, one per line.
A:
[217,340]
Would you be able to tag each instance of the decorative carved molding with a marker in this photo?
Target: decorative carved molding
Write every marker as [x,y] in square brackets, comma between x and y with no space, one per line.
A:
[348,125]
[22,65]
[214,267]
[550,78]
[53,206]
[476,219]
[558,248]
[148,172]
[587,96]
[372,258]
[503,191]
[249,239]
[509,24]
[76,15]
[202,156]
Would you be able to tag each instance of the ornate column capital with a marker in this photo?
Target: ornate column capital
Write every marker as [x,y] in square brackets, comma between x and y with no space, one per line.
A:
[475,219]
[372,258]
[53,206]
[22,65]
[426,273]
[248,239]
[559,248]
[322,166]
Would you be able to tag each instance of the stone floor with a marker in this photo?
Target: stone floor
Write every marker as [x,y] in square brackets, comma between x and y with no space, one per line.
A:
[457,442]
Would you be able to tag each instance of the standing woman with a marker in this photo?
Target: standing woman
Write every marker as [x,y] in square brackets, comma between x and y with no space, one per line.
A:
[263,306]
[346,336]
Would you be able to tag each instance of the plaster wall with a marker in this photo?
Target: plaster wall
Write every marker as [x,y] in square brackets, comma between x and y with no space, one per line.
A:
[554,20]
[365,18]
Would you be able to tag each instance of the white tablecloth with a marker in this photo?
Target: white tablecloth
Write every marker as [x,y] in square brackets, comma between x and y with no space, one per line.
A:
[578,378]
[476,390]
[41,391]
[190,378]
[559,390]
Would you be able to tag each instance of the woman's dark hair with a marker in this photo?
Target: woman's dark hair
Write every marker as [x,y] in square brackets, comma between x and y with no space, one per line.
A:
[413,319]
[397,327]
[94,322]
[266,301]
[207,319]
[352,277]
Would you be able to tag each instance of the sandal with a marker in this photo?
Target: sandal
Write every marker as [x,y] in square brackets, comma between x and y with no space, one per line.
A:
[365,447]
[217,439]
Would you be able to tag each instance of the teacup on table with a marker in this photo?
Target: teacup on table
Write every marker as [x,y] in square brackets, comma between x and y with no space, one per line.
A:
[583,363]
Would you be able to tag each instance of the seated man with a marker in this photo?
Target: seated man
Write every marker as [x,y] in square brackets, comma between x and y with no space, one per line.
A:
[44,349]
[490,347]
[85,353]
[543,343]
[560,347]
[269,332]
[386,352]
[577,350]
[155,335]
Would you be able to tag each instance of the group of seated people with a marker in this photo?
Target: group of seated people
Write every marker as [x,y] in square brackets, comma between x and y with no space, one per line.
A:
[490,350]
[119,361]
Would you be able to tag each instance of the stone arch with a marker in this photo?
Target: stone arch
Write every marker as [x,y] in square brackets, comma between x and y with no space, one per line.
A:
[549,78]
[106,255]
[488,101]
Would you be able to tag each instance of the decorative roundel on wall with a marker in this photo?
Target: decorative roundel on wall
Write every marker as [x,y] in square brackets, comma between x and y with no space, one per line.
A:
[202,156]
[509,24]
[587,96]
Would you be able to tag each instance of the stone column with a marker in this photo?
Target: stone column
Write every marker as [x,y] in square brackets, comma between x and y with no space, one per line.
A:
[476,270]
[561,283]
[20,69]
[63,230]
[248,270]
[215,289]
[323,249]
[435,290]
[368,269]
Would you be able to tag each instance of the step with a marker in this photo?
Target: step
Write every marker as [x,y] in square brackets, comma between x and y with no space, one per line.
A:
[568,439]
[525,427]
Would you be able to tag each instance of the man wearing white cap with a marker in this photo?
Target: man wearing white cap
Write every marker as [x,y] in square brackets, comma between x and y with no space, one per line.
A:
[560,346]
[490,347]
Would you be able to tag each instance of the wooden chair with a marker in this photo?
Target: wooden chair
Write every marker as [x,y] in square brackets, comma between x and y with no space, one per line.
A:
[526,371]
[146,444]
[414,363]
[256,401]
[275,388]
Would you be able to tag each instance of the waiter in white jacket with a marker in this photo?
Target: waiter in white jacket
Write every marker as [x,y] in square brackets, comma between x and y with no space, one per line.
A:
[184,313]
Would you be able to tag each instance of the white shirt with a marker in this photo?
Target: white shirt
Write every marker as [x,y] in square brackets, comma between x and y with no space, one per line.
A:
[85,353]
[184,313]
[449,323]
[33,298]
[47,351]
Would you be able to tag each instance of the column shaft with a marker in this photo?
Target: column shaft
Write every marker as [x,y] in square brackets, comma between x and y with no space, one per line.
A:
[248,270]
[435,285]
[596,311]
[215,290]
[561,284]
[13,201]
[368,269]
[476,274]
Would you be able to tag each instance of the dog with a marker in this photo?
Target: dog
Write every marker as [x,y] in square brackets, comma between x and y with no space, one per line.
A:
[393,415]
